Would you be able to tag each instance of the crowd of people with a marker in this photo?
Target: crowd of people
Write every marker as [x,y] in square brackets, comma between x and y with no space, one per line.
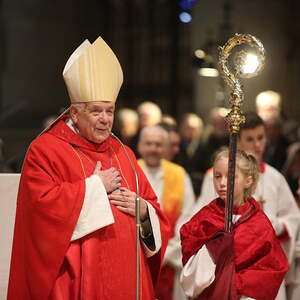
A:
[193,140]
[82,181]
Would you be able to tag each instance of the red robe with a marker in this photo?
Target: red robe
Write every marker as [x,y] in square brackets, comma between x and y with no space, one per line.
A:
[100,265]
[259,261]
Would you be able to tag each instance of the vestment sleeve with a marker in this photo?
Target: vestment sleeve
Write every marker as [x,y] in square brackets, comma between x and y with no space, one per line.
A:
[96,212]
[198,273]
[154,220]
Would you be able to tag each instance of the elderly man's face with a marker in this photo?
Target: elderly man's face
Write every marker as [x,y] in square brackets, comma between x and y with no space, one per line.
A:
[95,121]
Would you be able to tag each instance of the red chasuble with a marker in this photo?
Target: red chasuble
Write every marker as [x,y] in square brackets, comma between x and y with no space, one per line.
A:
[259,261]
[45,264]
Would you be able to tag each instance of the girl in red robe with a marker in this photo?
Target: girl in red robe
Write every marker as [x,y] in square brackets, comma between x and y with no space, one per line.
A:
[248,262]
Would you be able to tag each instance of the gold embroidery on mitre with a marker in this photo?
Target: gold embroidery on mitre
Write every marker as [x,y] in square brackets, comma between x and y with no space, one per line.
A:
[93,73]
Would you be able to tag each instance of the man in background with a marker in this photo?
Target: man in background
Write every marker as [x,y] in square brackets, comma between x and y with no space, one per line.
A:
[149,114]
[173,188]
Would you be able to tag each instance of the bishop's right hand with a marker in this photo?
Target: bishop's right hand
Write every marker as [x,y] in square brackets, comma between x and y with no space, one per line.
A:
[110,178]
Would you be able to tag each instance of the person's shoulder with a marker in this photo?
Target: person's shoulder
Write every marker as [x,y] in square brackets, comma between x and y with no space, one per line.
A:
[209,173]
[44,145]
[173,165]
[209,209]
[47,138]
[259,218]
[272,172]
[262,224]
[209,215]
[46,142]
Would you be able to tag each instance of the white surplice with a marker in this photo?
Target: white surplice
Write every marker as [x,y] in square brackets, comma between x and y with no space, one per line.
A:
[173,254]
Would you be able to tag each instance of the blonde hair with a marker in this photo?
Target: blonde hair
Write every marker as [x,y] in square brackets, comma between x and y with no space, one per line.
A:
[246,163]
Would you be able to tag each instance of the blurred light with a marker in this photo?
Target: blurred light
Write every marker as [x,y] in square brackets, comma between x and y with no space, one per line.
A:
[267,98]
[186,4]
[251,64]
[223,111]
[185,17]
[208,72]
[200,53]
[268,104]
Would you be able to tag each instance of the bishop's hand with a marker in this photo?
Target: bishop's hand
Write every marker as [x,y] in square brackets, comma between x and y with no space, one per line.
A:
[125,201]
[110,178]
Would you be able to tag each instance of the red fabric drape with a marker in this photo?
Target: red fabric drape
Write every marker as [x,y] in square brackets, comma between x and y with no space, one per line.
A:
[101,265]
[259,261]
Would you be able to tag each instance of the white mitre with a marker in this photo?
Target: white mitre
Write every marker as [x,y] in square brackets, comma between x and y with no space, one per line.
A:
[93,73]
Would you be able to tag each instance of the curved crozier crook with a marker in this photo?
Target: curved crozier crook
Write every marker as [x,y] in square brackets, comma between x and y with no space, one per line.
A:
[235,118]
[224,52]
